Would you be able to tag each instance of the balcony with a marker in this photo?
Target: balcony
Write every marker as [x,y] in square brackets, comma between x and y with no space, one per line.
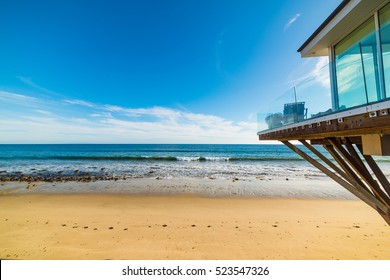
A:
[309,98]
[305,111]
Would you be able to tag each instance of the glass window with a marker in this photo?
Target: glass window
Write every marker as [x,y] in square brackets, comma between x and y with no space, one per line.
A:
[384,19]
[356,67]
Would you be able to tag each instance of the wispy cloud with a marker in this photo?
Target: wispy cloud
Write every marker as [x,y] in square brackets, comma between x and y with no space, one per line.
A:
[321,72]
[43,112]
[291,21]
[8,96]
[86,122]
[310,69]
[78,102]
[28,81]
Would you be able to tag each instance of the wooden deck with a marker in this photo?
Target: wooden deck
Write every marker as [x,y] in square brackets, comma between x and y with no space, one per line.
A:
[374,122]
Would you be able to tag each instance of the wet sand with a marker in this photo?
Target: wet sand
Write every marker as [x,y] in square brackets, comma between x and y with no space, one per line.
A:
[130,226]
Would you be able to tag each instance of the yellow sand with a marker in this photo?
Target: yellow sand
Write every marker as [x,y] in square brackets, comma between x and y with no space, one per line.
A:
[97,226]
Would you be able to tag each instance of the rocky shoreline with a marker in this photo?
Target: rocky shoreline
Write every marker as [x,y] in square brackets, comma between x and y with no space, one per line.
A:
[61,177]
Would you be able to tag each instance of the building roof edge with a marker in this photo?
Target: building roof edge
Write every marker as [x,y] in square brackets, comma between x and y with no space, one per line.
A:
[324,24]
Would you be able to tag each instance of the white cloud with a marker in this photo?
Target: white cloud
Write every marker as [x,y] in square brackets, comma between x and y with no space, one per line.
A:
[103,115]
[291,21]
[43,112]
[8,96]
[86,122]
[78,102]
[311,70]
[28,81]
[321,72]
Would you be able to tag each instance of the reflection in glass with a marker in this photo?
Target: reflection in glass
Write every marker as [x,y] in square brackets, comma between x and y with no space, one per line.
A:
[356,67]
[384,18]
[309,98]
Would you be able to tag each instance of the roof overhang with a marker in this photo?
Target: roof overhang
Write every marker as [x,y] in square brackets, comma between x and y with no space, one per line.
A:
[347,16]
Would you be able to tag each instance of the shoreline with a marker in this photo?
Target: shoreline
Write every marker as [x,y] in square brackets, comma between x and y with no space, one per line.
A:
[118,226]
[206,187]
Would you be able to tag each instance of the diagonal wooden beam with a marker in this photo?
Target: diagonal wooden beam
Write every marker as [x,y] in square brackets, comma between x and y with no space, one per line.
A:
[377,171]
[354,181]
[361,193]
[353,153]
[365,172]
[324,158]
[361,170]
[351,176]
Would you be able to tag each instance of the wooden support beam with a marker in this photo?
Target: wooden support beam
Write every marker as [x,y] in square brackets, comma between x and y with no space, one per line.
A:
[346,141]
[346,175]
[324,158]
[377,171]
[337,152]
[342,136]
[351,176]
[361,193]
[360,169]
[366,173]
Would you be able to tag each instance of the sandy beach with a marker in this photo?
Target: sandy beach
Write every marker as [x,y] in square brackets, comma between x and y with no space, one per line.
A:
[138,226]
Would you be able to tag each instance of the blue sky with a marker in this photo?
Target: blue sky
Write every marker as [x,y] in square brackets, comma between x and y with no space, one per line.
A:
[143,71]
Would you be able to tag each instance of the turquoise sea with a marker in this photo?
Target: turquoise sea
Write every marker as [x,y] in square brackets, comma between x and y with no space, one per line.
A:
[106,161]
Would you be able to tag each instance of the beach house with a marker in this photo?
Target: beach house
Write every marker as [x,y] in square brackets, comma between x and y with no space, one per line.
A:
[354,122]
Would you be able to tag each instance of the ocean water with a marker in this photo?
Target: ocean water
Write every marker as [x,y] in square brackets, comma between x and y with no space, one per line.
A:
[104,161]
